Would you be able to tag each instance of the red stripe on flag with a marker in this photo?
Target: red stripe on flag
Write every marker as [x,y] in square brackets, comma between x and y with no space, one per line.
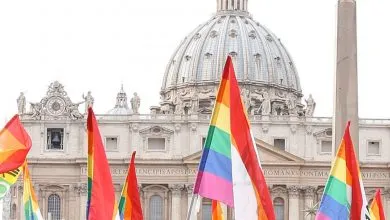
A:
[15,143]
[242,138]
[352,166]
[133,210]
[102,203]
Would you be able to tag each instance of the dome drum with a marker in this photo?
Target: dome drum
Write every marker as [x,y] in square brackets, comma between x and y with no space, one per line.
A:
[200,99]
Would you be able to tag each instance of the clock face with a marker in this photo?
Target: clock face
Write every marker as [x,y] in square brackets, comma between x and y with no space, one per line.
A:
[55,106]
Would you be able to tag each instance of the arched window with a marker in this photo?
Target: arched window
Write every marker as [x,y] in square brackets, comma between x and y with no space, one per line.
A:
[279,208]
[156,208]
[54,207]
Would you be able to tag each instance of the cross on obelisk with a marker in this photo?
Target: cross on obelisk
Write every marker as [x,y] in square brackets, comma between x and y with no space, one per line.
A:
[346,83]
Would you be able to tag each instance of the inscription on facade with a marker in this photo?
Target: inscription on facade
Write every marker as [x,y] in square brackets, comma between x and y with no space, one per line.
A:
[150,171]
[178,171]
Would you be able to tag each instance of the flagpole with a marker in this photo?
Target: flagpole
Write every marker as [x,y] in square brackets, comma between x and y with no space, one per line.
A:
[192,204]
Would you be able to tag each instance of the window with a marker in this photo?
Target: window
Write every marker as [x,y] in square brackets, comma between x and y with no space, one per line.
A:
[156,143]
[156,208]
[280,143]
[54,207]
[279,208]
[55,138]
[373,148]
[326,146]
[206,211]
[111,143]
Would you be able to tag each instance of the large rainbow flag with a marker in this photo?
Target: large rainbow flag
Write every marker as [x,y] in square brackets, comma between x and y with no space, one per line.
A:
[101,204]
[344,196]
[130,203]
[376,207]
[15,143]
[230,170]
[31,207]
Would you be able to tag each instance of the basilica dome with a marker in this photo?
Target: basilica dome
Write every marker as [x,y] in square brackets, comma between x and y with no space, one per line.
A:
[261,62]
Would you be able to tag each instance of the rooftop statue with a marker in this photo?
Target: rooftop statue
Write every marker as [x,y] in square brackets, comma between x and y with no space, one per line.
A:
[21,104]
[135,103]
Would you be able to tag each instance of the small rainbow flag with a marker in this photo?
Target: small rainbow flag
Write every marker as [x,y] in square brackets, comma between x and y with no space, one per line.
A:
[216,210]
[344,196]
[376,207]
[130,203]
[7,180]
[101,204]
[31,208]
[230,170]
[15,144]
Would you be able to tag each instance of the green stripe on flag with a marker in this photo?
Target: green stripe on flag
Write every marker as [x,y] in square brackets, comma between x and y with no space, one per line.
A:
[337,190]
[219,141]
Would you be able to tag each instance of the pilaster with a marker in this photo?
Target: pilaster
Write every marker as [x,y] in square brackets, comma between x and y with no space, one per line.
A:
[293,202]
[176,191]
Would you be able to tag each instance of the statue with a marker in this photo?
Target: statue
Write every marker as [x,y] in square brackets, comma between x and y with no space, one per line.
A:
[178,105]
[36,109]
[246,99]
[89,100]
[21,104]
[310,106]
[265,106]
[73,110]
[135,103]
[291,104]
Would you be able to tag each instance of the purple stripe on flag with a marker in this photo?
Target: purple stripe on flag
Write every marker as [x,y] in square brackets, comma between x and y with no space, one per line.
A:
[214,187]
[321,216]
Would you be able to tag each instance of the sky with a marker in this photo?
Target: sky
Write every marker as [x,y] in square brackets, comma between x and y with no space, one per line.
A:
[97,45]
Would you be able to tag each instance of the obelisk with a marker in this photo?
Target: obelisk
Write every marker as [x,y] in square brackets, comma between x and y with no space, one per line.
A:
[346,79]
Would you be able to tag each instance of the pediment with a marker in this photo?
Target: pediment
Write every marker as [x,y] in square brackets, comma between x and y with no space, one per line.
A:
[156,130]
[268,155]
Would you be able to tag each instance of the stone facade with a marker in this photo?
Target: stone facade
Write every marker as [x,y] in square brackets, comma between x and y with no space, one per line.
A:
[169,149]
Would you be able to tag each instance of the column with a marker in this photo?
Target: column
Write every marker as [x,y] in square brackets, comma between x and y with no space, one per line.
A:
[176,212]
[309,213]
[82,190]
[190,189]
[293,202]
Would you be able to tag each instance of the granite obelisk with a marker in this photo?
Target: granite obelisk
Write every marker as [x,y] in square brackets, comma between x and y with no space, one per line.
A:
[346,79]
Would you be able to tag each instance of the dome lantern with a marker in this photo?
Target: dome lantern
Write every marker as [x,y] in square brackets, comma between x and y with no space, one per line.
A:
[232,5]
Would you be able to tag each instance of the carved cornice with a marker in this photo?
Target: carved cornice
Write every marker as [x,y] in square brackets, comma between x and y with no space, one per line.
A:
[176,189]
[293,191]
[81,188]
[190,188]
[309,191]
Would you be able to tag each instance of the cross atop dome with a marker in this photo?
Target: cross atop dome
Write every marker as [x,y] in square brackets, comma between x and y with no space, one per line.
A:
[232,5]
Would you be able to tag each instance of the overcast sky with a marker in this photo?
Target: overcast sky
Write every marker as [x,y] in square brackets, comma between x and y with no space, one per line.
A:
[97,45]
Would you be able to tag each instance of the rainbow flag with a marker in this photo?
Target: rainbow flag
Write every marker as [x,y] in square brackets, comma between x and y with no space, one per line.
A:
[376,207]
[230,170]
[15,143]
[216,210]
[7,180]
[101,204]
[130,203]
[31,207]
[344,196]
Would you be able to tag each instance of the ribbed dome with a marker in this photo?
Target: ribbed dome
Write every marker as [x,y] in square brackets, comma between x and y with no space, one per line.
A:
[261,62]
[258,54]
